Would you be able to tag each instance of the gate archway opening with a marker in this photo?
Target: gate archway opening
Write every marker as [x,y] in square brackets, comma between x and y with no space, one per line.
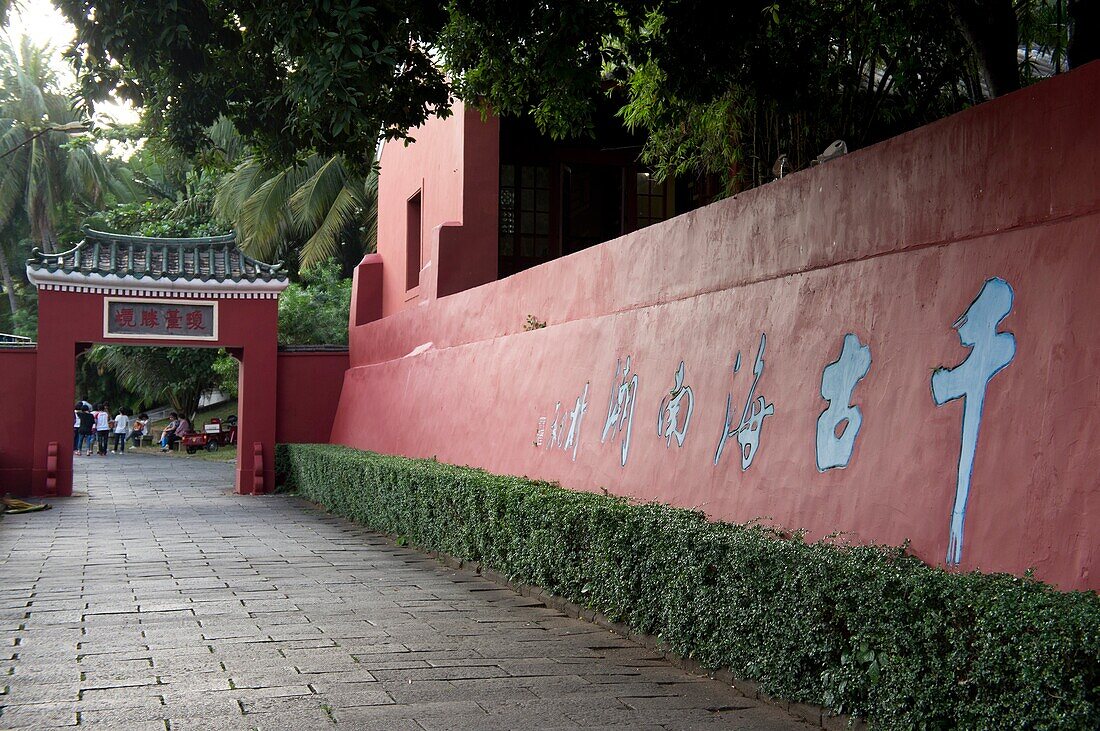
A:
[136,290]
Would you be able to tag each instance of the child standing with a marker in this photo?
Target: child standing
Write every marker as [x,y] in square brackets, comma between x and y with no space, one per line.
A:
[122,430]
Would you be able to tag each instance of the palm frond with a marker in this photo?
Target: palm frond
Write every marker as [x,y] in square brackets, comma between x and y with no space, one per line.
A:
[325,241]
[310,203]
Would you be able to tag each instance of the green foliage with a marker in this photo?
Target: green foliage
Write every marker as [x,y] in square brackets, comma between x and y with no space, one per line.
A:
[156,218]
[315,311]
[864,630]
[328,76]
[319,207]
[179,376]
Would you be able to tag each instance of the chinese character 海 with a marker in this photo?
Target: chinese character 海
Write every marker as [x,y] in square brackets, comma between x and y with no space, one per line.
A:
[620,406]
[194,320]
[172,319]
[668,417]
[838,380]
[748,429]
[124,317]
[149,318]
[990,352]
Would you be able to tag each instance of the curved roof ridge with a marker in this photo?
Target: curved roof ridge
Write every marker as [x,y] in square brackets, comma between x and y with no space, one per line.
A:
[92,233]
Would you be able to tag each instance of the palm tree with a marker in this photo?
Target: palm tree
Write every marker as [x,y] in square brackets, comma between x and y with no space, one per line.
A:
[319,207]
[45,174]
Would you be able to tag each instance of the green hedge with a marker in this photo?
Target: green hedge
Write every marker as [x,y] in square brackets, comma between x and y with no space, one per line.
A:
[863,630]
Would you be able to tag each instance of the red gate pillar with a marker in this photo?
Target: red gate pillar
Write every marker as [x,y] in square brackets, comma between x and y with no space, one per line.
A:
[256,407]
[53,418]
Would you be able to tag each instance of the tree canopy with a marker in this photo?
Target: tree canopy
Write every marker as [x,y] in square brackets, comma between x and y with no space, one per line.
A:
[716,86]
[329,76]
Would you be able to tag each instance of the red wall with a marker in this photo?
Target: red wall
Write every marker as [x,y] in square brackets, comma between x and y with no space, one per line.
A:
[455,165]
[66,319]
[892,244]
[307,392]
[17,381]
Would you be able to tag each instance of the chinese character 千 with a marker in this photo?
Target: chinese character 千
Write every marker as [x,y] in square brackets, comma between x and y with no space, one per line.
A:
[990,352]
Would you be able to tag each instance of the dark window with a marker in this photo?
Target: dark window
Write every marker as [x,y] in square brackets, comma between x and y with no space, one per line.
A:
[412,243]
[524,216]
[655,200]
[592,205]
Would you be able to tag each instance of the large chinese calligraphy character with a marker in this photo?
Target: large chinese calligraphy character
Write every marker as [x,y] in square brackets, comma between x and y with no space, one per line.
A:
[748,430]
[990,352]
[838,380]
[680,398]
[620,407]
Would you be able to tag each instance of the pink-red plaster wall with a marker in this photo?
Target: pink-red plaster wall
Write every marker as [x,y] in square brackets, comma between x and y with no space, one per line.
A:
[17,382]
[891,244]
[307,392]
[455,166]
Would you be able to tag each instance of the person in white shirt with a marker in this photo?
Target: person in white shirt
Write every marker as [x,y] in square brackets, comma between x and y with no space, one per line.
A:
[102,428]
[122,430]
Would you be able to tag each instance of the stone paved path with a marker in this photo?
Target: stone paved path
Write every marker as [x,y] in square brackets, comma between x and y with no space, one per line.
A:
[160,600]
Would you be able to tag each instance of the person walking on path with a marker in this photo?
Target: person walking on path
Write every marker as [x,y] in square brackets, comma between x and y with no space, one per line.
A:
[122,430]
[87,428]
[76,429]
[102,428]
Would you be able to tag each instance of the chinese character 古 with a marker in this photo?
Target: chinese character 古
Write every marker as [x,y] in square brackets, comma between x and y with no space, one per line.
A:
[668,417]
[990,352]
[620,406]
[749,428]
[838,380]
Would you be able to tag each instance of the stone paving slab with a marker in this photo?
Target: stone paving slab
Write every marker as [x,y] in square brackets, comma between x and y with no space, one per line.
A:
[155,598]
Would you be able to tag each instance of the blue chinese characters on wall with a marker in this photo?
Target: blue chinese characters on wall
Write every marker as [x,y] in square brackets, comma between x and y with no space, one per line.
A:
[674,416]
[839,424]
[749,428]
[620,407]
[990,352]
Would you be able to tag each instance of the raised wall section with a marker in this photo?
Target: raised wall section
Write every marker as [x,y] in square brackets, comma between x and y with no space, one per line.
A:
[890,245]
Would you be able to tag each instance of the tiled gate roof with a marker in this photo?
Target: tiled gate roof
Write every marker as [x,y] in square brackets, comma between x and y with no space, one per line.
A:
[109,260]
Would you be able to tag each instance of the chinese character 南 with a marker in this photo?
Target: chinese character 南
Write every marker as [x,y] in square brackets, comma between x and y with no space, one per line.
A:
[748,429]
[149,318]
[990,352]
[194,320]
[668,417]
[838,380]
[620,406]
[124,316]
[172,319]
